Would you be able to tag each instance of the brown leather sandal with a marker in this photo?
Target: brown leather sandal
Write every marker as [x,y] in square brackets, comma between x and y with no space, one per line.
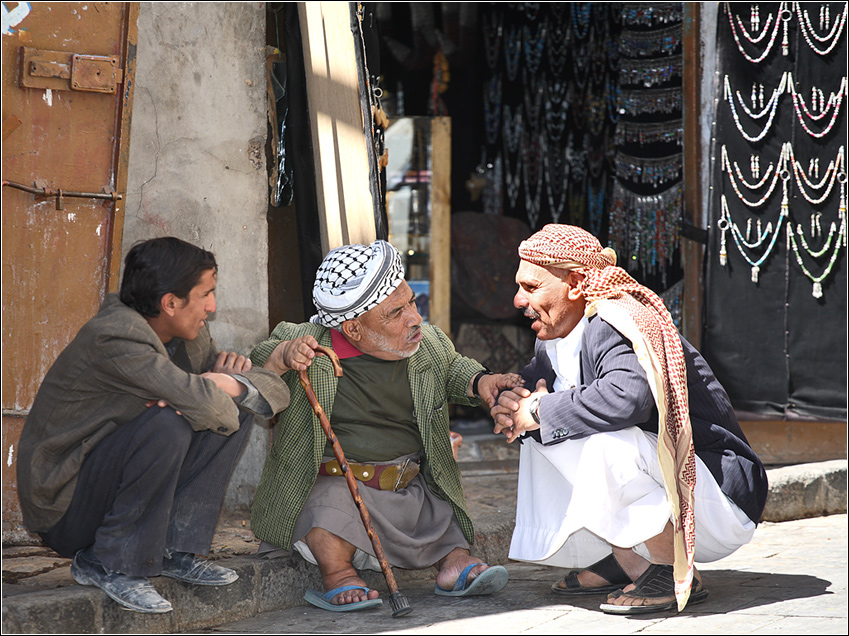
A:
[608,569]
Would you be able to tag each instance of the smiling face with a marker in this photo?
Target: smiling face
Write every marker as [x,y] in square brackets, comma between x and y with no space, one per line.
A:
[551,298]
[390,331]
[184,317]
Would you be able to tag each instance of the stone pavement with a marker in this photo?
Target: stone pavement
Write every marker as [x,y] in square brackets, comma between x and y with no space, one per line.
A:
[792,576]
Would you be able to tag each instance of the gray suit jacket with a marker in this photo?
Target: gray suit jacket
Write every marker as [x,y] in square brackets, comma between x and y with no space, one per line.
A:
[615,394]
[102,380]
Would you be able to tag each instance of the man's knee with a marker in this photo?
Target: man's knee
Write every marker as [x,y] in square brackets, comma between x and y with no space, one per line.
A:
[165,431]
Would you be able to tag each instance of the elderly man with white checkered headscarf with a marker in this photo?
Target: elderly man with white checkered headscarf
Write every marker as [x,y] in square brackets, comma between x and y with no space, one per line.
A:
[632,463]
[389,411]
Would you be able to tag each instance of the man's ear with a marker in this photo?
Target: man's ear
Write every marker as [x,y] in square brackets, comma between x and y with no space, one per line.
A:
[576,285]
[168,304]
[352,329]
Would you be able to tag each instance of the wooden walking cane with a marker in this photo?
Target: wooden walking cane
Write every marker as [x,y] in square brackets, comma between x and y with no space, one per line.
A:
[398,602]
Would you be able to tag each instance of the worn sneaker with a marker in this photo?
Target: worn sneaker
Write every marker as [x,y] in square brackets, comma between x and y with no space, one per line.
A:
[133,592]
[186,567]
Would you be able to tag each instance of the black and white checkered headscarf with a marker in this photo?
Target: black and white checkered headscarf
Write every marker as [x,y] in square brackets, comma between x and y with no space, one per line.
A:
[354,278]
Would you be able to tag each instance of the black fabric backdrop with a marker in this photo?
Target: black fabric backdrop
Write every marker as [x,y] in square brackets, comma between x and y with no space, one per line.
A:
[779,352]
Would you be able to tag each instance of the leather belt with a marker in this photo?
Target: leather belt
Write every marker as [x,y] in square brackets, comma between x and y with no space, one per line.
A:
[379,476]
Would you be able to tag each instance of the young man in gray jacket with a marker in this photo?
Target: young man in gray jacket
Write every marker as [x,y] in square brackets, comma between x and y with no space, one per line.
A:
[130,442]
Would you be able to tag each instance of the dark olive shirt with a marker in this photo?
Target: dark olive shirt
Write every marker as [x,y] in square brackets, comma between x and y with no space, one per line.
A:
[373,411]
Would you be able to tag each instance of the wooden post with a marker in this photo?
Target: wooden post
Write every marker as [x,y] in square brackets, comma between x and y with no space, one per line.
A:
[440,223]
[692,252]
[345,204]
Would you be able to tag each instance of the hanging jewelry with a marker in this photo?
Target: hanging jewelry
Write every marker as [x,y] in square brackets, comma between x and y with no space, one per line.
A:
[534,46]
[836,172]
[532,98]
[650,43]
[492,109]
[493,190]
[664,100]
[558,48]
[532,175]
[581,19]
[784,14]
[770,108]
[667,132]
[781,166]
[817,281]
[493,29]
[512,130]
[512,179]
[810,35]
[556,108]
[512,53]
[650,14]
[556,174]
[834,99]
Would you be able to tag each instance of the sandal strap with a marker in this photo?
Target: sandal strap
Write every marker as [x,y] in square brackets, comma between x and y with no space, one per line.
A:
[610,570]
[656,582]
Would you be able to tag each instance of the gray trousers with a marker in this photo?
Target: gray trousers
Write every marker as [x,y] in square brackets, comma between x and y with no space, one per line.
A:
[155,484]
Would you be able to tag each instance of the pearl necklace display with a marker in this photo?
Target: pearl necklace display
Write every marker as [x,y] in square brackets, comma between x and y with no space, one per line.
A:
[770,108]
[725,224]
[808,30]
[835,100]
[817,281]
[780,170]
[783,17]
[836,172]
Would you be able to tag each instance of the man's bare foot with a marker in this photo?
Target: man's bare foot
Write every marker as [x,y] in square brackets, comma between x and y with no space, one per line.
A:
[453,564]
[349,596]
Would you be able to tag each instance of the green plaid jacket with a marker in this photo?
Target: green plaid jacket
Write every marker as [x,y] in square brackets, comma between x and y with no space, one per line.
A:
[438,375]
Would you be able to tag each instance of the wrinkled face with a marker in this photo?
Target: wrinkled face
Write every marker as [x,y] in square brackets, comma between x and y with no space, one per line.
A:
[550,298]
[189,314]
[393,329]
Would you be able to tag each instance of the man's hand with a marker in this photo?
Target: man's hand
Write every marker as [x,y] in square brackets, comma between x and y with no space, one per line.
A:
[489,386]
[160,403]
[231,363]
[512,415]
[295,355]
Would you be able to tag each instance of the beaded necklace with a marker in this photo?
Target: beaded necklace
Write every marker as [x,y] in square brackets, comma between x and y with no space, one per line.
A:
[512,53]
[534,46]
[556,109]
[532,173]
[780,171]
[493,29]
[492,109]
[817,281]
[835,99]
[651,13]
[512,180]
[835,173]
[784,16]
[556,172]
[558,48]
[755,23]
[581,19]
[771,108]
[725,224]
[808,30]
[512,128]
[663,133]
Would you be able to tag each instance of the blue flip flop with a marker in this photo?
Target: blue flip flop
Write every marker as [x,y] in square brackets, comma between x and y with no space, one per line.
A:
[324,600]
[489,581]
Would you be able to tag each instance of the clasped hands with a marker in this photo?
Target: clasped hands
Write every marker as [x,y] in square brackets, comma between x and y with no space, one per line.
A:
[512,415]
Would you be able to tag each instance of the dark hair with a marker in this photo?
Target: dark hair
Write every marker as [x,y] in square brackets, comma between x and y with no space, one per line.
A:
[161,266]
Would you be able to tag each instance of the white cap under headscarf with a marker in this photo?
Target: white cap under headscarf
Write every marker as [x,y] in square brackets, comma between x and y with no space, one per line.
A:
[354,278]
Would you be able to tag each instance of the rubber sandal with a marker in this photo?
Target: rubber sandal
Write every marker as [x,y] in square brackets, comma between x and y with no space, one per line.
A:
[608,569]
[491,580]
[656,582]
[324,600]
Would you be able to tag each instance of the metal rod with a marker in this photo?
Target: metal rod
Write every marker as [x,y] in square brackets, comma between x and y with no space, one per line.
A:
[47,192]
[399,603]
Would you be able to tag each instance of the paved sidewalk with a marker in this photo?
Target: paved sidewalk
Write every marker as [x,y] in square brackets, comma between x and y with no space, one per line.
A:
[791,579]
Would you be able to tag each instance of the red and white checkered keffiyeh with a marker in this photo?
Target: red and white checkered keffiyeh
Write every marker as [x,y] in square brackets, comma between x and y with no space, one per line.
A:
[640,315]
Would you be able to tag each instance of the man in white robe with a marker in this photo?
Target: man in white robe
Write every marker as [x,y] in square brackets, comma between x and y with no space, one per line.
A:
[633,465]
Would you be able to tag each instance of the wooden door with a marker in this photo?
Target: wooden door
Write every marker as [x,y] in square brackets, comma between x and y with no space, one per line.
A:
[67,96]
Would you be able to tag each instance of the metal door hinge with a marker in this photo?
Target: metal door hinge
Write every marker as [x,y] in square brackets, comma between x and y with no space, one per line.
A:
[63,71]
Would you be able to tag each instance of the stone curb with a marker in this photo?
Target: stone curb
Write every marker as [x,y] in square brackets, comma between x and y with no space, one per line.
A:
[266,585]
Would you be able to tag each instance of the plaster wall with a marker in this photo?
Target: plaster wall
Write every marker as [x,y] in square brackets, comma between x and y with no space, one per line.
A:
[197,165]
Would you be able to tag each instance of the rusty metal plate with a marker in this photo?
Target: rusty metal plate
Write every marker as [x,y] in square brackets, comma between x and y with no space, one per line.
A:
[94,73]
[63,71]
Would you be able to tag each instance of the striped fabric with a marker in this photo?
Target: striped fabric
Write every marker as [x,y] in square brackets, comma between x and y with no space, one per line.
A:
[640,315]
[438,375]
